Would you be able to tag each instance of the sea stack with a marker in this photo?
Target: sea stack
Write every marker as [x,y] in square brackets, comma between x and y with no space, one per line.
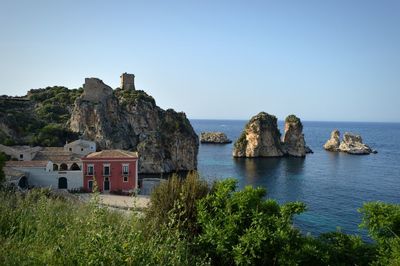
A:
[260,138]
[293,138]
[351,144]
[333,143]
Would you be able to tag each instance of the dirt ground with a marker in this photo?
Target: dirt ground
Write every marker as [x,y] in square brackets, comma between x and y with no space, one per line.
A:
[123,202]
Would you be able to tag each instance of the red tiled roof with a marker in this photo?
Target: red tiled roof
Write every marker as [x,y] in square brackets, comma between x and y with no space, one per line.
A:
[112,154]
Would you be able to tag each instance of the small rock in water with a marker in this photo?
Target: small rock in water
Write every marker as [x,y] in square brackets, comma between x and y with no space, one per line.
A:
[214,137]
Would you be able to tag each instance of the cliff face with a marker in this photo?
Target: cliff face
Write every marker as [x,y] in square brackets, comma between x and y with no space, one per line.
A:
[130,119]
[260,138]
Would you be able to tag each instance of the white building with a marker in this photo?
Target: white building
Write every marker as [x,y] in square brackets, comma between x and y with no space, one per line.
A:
[22,153]
[45,174]
[81,147]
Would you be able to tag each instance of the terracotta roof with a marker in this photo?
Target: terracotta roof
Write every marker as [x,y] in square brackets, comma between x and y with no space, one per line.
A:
[112,154]
[26,163]
[56,155]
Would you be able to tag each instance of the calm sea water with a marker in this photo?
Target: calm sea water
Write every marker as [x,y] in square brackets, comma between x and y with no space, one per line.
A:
[333,185]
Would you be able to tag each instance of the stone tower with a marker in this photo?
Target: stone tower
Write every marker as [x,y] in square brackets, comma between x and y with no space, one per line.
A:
[127,81]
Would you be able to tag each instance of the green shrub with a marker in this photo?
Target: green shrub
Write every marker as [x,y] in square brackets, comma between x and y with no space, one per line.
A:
[240,227]
[383,223]
[173,203]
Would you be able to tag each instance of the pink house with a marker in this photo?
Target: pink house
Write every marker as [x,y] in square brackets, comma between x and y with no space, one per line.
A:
[113,170]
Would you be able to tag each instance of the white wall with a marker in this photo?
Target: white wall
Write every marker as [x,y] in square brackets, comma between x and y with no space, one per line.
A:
[79,149]
[40,177]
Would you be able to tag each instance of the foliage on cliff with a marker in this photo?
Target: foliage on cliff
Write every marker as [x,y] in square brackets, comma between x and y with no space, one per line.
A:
[293,119]
[241,142]
[133,97]
[39,118]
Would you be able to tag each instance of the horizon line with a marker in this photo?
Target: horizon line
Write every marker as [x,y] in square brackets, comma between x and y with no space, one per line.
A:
[330,121]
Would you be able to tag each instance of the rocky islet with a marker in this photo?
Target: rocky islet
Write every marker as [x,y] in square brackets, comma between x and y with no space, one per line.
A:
[214,138]
[351,144]
[262,138]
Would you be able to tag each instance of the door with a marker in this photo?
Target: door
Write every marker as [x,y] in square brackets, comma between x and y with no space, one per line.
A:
[62,183]
[106,184]
[90,185]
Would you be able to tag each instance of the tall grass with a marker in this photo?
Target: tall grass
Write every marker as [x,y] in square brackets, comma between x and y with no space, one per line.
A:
[37,229]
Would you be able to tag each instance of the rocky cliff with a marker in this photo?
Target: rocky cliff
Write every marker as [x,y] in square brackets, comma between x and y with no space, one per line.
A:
[261,138]
[130,119]
[214,137]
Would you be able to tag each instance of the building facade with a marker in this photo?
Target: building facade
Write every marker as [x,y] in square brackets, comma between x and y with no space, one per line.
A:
[21,153]
[44,174]
[81,147]
[111,170]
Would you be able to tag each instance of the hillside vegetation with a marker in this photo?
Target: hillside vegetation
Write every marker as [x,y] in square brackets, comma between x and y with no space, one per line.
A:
[39,118]
[188,223]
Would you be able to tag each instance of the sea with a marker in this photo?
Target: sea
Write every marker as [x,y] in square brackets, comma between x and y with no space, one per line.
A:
[334,186]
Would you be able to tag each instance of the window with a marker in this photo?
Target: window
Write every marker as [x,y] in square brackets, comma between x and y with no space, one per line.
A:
[106,169]
[21,156]
[125,169]
[81,149]
[63,167]
[70,149]
[125,178]
[90,169]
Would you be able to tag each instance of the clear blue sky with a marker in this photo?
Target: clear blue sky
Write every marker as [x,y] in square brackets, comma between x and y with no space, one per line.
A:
[322,60]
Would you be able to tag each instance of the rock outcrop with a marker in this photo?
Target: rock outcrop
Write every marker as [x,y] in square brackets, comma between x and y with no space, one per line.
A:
[130,119]
[293,138]
[333,143]
[353,144]
[350,143]
[214,138]
[261,138]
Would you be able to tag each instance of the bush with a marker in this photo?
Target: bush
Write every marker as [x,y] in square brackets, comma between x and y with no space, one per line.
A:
[240,227]
[173,203]
[383,223]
